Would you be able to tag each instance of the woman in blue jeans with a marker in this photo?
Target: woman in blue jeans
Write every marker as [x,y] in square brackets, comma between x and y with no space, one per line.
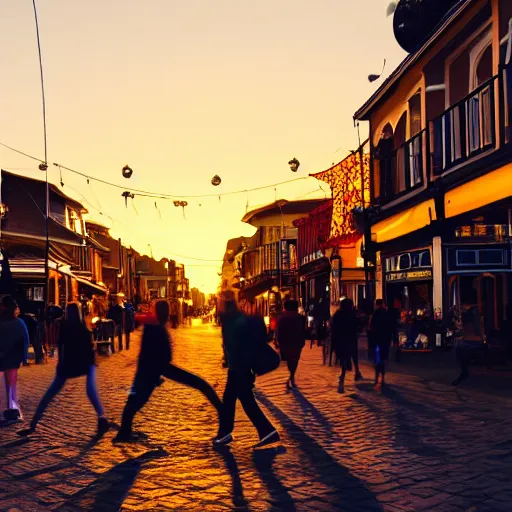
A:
[76,358]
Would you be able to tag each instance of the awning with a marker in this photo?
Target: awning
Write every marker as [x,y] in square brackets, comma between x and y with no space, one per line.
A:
[95,287]
[492,187]
[408,221]
[257,288]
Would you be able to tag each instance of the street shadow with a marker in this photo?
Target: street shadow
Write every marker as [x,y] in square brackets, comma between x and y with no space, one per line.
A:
[411,434]
[62,465]
[351,493]
[308,408]
[14,444]
[237,493]
[108,492]
[392,393]
[263,462]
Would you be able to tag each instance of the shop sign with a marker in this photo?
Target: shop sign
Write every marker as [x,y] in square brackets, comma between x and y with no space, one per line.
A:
[410,275]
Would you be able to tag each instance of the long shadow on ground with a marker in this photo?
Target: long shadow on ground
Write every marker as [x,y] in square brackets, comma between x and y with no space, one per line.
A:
[108,492]
[237,494]
[264,462]
[349,493]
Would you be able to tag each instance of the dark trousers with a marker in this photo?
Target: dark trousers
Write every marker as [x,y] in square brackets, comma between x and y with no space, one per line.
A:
[346,363]
[144,386]
[292,362]
[239,387]
[119,334]
[127,336]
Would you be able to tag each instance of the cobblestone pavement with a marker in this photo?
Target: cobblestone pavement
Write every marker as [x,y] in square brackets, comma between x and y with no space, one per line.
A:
[418,446]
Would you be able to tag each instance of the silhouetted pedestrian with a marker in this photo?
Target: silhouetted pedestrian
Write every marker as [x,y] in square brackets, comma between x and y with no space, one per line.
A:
[291,337]
[344,339]
[76,358]
[242,336]
[14,343]
[381,332]
[154,362]
[116,314]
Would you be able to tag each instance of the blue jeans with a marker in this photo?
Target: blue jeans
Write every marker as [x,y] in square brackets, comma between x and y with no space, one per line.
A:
[57,385]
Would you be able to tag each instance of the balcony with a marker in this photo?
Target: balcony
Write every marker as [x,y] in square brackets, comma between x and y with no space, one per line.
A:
[465,130]
[403,170]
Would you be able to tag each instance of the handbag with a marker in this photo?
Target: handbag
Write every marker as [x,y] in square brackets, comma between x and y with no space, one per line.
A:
[266,360]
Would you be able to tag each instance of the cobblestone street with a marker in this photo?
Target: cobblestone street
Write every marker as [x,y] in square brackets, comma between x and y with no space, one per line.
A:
[420,445]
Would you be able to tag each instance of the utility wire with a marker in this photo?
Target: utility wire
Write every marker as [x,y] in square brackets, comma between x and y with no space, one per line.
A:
[146,193]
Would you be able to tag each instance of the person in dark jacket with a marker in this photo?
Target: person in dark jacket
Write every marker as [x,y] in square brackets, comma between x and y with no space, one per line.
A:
[241,337]
[381,332]
[14,343]
[154,361]
[116,314]
[76,358]
[344,339]
[291,337]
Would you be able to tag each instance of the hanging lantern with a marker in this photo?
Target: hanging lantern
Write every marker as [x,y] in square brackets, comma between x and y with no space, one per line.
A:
[127,172]
[294,164]
[216,181]
[3,210]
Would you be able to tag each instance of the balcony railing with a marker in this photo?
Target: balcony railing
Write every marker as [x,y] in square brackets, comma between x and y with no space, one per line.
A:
[465,130]
[403,170]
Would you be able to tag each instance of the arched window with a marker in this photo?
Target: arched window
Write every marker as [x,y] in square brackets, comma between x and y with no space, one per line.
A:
[398,170]
[382,163]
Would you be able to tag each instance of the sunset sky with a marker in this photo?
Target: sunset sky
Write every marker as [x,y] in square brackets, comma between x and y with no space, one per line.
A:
[182,91]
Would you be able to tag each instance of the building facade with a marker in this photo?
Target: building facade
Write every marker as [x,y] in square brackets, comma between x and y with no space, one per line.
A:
[441,176]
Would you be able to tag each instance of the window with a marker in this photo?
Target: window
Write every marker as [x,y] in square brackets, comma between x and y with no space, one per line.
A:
[466,257]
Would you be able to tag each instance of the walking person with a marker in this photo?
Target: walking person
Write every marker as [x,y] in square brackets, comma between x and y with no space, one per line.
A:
[14,344]
[381,331]
[241,336]
[291,338]
[76,358]
[344,334]
[116,314]
[154,362]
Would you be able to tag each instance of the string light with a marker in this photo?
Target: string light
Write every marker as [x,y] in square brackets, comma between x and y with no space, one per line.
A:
[146,193]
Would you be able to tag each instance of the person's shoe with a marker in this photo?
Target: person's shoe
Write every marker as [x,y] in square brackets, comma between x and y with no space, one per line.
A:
[293,384]
[359,376]
[341,387]
[223,440]
[272,437]
[12,415]
[103,425]
[26,432]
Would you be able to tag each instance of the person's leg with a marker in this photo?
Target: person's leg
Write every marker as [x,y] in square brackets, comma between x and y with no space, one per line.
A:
[92,392]
[189,379]
[120,336]
[355,359]
[343,374]
[55,387]
[227,418]
[140,394]
[251,407]
[383,371]
[127,340]
[11,381]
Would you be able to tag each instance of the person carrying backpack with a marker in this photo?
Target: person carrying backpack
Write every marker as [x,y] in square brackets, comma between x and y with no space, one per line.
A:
[241,337]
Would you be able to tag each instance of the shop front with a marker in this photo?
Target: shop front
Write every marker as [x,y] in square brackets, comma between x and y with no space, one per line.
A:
[409,294]
[480,287]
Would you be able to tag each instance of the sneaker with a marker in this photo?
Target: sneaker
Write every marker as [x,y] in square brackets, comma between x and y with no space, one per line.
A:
[26,432]
[359,376]
[272,437]
[103,425]
[223,440]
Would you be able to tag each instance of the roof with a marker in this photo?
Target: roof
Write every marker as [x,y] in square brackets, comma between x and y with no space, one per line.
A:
[454,13]
[41,183]
[283,206]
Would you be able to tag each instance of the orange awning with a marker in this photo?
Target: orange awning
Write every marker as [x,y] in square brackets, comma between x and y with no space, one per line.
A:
[488,189]
[405,222]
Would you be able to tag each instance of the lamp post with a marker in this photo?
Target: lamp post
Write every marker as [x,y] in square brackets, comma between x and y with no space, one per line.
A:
[43,166]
